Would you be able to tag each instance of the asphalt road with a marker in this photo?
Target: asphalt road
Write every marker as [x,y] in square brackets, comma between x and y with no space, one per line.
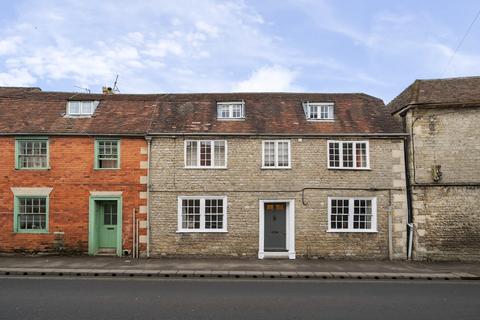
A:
[64,298]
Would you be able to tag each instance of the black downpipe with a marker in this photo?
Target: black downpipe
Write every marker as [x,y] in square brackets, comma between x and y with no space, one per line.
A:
[406,147]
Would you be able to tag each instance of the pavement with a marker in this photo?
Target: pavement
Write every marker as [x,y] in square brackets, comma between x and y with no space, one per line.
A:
[234,268]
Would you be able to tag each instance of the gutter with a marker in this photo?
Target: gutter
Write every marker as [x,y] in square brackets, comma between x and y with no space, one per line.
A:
[73,134]
[405,108]
[379,135]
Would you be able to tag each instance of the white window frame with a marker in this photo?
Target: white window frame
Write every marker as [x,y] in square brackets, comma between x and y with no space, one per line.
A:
[354,150]
[212,146]
[81,113]
[202,228]
[276,155]
[230,105]
[331,110]
[351,201]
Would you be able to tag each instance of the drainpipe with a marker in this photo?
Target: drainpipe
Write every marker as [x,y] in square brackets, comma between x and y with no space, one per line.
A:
[149,144]
[406,148]
[390,236]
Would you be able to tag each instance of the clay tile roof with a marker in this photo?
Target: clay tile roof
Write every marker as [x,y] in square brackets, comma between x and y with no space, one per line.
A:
[438,91]
[25,111]
[272,113]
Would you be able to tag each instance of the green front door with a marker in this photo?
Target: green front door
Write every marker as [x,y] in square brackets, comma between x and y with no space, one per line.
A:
[107,226]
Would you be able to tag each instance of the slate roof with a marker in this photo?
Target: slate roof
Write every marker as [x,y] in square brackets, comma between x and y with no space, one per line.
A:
[465,90]
[36,112]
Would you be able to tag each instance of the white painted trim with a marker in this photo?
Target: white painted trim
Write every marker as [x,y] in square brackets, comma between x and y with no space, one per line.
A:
[350,229]
[275,255]
[354,150]
[290,221]
[276,166]
[106,193]
[212,146]
[80,113]
[20,192]
[230,110]
[319,105]
[202,199]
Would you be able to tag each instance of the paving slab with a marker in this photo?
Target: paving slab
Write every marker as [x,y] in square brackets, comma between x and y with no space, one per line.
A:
[238,267]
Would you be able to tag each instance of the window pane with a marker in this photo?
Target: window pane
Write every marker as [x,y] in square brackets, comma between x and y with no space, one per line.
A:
[191,213]
[269,153]
[324,112]
[74,107]
[334,154]
[223,111]
[32,154]
[213,213]
[205,153]
[219,154]
[32,214]
[347,154]
[362,214]
[313,112]
[191,153]
[86,107]
[339,214]
[283,154]
[107,154]
[361,155]
[236,111]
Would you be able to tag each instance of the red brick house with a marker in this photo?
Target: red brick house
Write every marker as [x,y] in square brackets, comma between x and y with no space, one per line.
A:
[73,172]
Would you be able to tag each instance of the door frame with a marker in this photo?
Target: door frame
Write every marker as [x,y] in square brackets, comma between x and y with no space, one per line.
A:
[92,223]
[290,225]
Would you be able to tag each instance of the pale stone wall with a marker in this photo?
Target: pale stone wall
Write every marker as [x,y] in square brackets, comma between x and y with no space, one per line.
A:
[449,137]
[245,183]
[446,213]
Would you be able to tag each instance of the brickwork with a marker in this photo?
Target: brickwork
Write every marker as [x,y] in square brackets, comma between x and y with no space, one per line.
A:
[245,183]
[72,177]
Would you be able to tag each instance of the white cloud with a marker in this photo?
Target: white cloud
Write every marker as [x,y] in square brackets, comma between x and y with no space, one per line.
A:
[135,41]
[462,64]
[163,48]
[16,78]
[268,79]
[9,45]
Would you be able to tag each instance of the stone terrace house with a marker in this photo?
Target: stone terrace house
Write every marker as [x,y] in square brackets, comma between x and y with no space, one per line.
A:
[442,118]
[277,175]
[73,171]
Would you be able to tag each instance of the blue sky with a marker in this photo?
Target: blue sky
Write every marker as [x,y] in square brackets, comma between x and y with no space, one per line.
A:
[376,47]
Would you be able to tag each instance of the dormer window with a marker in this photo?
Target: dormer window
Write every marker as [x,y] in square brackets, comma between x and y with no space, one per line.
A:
[231,110]
[81,108]
[318,110]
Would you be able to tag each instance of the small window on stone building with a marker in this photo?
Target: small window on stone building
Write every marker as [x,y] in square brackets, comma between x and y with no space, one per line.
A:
[202,214]
[348,155]
[205,154]
[352,214]
[276,154]
[107,154]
